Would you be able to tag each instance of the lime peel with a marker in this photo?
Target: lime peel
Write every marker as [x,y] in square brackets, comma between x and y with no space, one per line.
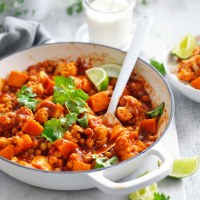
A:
[146,193]
[112,70]
[185,167]
[98,77]
[185,48]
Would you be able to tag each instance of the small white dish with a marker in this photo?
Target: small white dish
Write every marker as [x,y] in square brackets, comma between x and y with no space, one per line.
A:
[171,64]
[82,35]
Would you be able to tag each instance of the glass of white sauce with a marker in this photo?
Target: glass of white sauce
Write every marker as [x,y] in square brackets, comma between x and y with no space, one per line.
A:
[109,21]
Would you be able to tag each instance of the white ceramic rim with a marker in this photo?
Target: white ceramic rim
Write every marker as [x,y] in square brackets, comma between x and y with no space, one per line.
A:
[122,162]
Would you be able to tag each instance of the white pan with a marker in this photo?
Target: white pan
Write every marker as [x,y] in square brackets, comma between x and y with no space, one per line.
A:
[105,178]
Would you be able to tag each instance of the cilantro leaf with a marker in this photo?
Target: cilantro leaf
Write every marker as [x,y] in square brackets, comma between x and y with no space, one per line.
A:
[159,66]
[75,8]
[158,196]
[104,162]
[157,111]
[69,120]
[66,93]
[53,129]
[83,121]
[62,89]
[26,97]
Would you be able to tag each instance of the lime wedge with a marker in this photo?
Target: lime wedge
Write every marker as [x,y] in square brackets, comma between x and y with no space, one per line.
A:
[98,77]
[185,48]
[184,167]
[146,193]
[112,70]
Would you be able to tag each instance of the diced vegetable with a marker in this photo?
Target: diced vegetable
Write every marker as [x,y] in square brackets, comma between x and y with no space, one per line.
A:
[149,125]
[17,79]
[81,166]
[8,151]
[99,101]
[1,84]
[196,83]
[65,146]
[41,162]
[32,128]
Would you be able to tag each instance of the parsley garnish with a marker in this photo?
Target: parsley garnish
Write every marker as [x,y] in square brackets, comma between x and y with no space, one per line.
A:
[26,97]
[158,196]
[104,162]
[157,111]
[159,66]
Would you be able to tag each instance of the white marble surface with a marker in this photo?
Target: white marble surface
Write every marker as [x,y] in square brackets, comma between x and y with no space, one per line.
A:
[173,19]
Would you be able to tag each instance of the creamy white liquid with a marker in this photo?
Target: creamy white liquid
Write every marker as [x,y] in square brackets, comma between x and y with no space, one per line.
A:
[109,26]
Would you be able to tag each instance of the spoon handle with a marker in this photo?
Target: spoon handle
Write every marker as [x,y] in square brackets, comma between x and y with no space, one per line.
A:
[130,59]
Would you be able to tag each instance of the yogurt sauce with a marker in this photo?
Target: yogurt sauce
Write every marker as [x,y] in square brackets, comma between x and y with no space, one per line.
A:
[110,26]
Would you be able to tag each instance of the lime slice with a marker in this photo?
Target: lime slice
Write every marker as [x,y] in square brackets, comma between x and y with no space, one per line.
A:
[146,193]
[112,70]
[185,48]
[98,77]
[184,167]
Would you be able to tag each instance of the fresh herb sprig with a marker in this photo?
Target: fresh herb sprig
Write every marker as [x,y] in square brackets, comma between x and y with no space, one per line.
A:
[103,161]
[26,97]
[54,129]
[158,196]
[66,93]
[75,8]
[157,111]
[159,66]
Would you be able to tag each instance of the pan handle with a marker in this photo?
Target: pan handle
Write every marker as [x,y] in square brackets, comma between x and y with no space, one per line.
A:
[114,188]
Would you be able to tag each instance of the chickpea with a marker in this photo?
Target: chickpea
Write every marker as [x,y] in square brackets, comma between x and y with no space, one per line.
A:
[57,169]
[69,164]
[57,154]
[89,142]
[49,145]
[43,146]
[38,152]
[53,160]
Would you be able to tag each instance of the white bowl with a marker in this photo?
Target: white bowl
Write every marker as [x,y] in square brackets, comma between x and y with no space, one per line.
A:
[171,64]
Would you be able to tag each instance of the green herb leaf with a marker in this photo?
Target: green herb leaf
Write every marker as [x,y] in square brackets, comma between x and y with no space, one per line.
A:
[75,8]
[157,111]
[84,121]
[69,120]
[26,97]
[53,129]
[104,162]
[66,93]
[159,66]
[69,10]
[2,6]
[162,196]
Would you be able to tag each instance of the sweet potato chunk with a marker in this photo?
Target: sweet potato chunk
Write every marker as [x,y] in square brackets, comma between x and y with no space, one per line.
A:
[81,166]
[99,101]
[17,79]
[41,162]
[65,146]
[1,84]
[32,127]
[149,125]
[196,83]
[8,151]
